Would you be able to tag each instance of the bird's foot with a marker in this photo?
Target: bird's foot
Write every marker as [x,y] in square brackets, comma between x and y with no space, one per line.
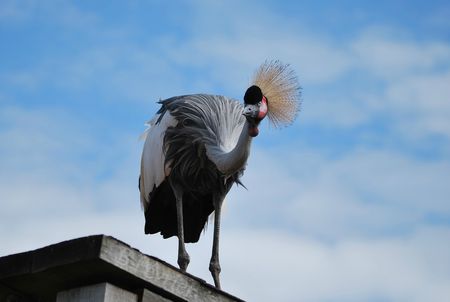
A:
[214,268]
[183,260]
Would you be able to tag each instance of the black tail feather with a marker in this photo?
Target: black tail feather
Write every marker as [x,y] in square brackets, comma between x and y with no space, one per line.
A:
[161,213]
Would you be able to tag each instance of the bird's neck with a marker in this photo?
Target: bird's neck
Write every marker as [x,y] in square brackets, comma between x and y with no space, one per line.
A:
[229,162]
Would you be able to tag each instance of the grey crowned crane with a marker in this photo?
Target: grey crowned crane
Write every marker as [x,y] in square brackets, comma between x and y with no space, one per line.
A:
[197,147]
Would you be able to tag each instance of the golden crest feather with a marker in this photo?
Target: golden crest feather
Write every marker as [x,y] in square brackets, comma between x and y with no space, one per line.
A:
[280,86]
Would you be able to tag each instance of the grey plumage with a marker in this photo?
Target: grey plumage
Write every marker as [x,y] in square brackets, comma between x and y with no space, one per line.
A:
[205,123]
[208,125]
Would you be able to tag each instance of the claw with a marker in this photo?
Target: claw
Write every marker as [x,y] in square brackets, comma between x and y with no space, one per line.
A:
[183,260]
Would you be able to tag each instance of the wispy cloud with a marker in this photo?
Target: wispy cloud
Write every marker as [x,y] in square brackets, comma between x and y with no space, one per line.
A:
[423,104]
[61,12]
[365,220]
[390,53]
[363,194]
[296,268]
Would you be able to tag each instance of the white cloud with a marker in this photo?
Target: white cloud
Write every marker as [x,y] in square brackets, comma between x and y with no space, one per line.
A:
[391,55]
[282,267]
[363,194]
[423,102]
[316,60]
[402,86]
[121,74]
[61,12]
[33,139]
[45,170]
[335,108]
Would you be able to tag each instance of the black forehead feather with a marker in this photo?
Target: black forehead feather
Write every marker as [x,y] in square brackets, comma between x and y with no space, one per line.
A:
[253,95]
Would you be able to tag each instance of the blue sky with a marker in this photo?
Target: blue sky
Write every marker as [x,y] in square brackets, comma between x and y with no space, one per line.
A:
[351,203]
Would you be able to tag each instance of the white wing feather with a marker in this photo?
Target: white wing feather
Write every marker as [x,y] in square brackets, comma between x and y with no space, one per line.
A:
[153,171]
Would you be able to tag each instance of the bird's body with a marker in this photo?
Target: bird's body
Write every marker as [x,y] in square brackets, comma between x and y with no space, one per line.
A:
[188,140]
[197,147]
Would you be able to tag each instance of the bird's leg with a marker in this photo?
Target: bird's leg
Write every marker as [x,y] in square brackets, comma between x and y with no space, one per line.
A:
[183,256]
[214,265]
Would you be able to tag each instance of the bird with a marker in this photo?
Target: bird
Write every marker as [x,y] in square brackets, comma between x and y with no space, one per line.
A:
[196,148]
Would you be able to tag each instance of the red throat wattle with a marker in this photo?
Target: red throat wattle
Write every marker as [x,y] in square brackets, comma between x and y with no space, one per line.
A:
[253,131]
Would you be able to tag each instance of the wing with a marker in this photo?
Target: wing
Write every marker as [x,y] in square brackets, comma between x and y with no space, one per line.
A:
[153,170]
[175,148]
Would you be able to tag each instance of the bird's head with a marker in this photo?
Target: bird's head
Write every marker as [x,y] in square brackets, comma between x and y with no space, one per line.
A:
[275,93]
[255,108]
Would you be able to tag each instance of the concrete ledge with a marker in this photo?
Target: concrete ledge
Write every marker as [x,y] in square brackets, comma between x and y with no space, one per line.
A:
[102,292]
[41,274]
